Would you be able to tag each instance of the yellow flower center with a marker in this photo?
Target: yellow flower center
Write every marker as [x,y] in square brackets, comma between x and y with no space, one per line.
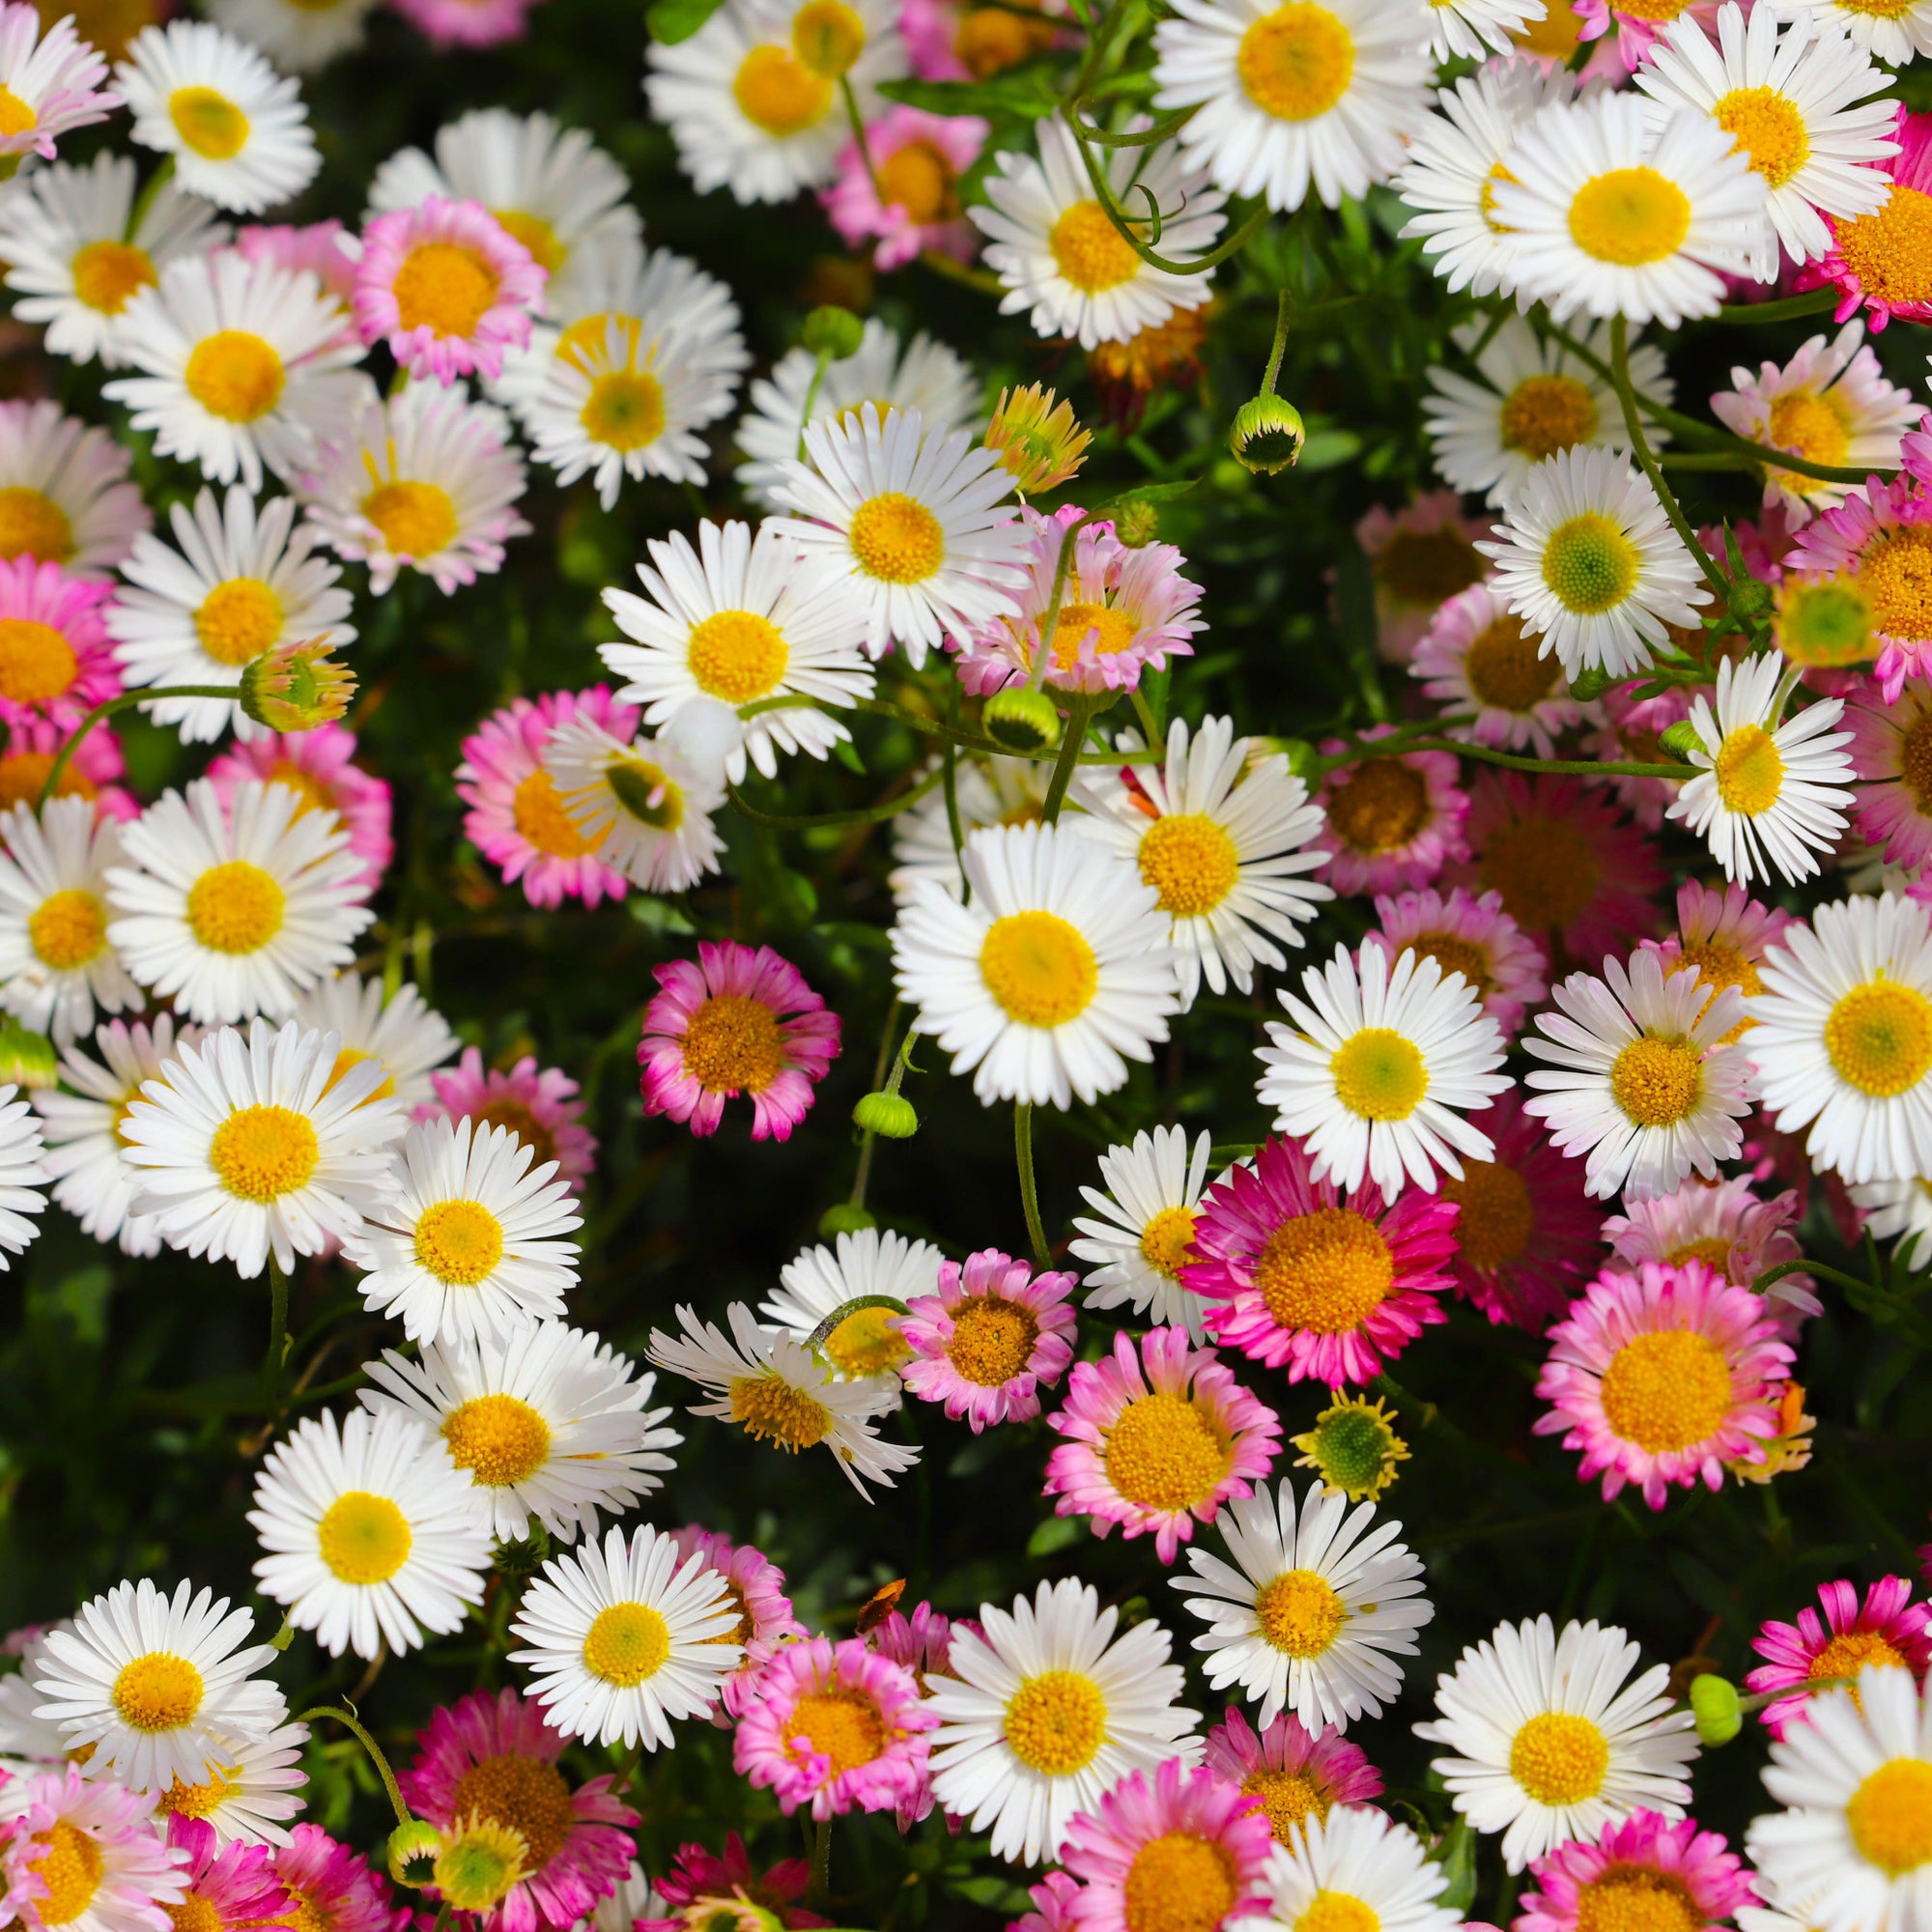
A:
[523,1794]
[1590,564]
[1851,1651]
[1298,62]
[737,656]
[535,234]
[1658,1082]
[624,411]
[1337,1912]
[1112,629]
[627,1642]
[193,1800]
[1167,1242]
[159,1692]
[919,178]
[1713,1250]
[1559,1759]
[345,1062]
[771,1409]
[1896,574]
[1324,1272]
[1750,771]
[1497,1213]
[1768,127]
[1915,761]
[363,1538]
[36,660]
[841,1725]
[1544,414]
[541,819]
[260,1154]
[414,519]
[1379,1075]
[70,1869]
[1190,862]
[992,1340]
[501,1439]
[106,274]
[208,123]
[1056,1722]
[235,375]
[1040,968]
[1630,217]
[1288,1798]
[17,116]
[517,1119]
[1177,1883]
[1628,1898]
[33,525]
[1879,1036]
[1555,36]
[1889,251]
[896,539]
[1812,427]
[1090,251]
[1162,1453]
[1299,1613]
[444,287]
[1667,1391]
[238,621]
[234,907]
[66,929]
[1455,954]
[1890,1816]
[866,1342]
[459,1243]
[732,1045]
[777,93]
[1505,668]
[828,37]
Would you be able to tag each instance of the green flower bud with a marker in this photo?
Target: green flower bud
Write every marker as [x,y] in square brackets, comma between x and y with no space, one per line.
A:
[1590,682]
[1267,435]
[832,332]
[1137,522]
[891,1115]
[1713,1704]
[26,1058]
[1681,739]
[1022,718]
[1302,757]
[842,1218]
[414,1850]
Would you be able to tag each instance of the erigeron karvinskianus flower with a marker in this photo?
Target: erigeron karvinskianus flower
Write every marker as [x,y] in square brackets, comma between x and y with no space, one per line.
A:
[907,201]
[1146,1230]
[1470,934]
[1882,1629]
[820,1281]
[1649,1868]
[82,1854]
[1292,1774]
[1873,552]
[1354,1867]
[401,1031]
[52,79]
[639,806]
[988,1336]
[64,496]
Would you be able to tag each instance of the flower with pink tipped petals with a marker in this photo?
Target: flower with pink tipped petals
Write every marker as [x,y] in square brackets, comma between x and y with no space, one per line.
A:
[697,1873]
[230,1888]
[1295,1276]
[1159,1437]
[1889,743]
[1471,935]
[1618,1879]
[542,1109]
[1419,558]
[137,1877]
[57,81]
[1886,1629]
[27,754]
[467,23]
[318,764]
[1727,1228]
[448,287]
[1866,243]
[56,659]
[1474,658]
[1391,821]
[917,158]
[317,248]
[1882,538]
[989,1338]
[757,1586]
[735,1021]
[1289,1774]
[333,1887]
[494,1756]
[1052,1901]
[835,1728]
[1662,1378]
[1723,933]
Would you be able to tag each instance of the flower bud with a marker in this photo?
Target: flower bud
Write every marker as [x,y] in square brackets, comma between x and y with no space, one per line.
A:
[890,1116]
[842,1218]
[1022,718]
[295,688]
[1681,739]
[26,1058]
[1266,435]
[1038,442]
[832,332]
[1137,522]
[480,1864]
[1713,1704]
[412,1851]
[1592,681]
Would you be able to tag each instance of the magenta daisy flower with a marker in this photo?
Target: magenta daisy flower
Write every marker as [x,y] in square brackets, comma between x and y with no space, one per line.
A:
[697,1873]
[1296,1276]
[27,754]
[1882,539]
[1647,1870]
[1288,1773]
[1158,1438]
[1182,1847]
[447,286]
[66,1831]
[1390,822]
[1892,752]
[333,1887]
[1662,1378]
[1727,1228]
[1052,1901]
[230,1888]
[991,1336]
[315,248]
[737,1020]
[1886,1629]
[516,818]
[320,765]
[1876,260]
[1470,934]
[1419,558]
[495,1757]
[917,160]
[1632,733]
[758,1589]
[541,1108]
[835,1728]
[56,658]
[1475,659]
[923,1643]
[467,23]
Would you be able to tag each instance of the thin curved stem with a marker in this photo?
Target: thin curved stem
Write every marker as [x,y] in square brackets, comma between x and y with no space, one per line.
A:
[1029,1185]
[352,1724]
[857,126]
[1103,194]
[871,814]
[1167,125]
[278,1335]
[108,708]
[1790,309]
[1624,768]
[1284,307]
[1080,713]
[1049,624]
[823,363]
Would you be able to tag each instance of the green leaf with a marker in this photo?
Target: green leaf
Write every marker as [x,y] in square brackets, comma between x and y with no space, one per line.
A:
[674,20]
[1026,91]
[1055,1533]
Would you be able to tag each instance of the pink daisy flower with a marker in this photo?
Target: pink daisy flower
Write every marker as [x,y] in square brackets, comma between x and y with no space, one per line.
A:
[1475,659]
[758,1589]
[1882,539]
[1891,752]
[1886,1629]
[1121,610]
[1618,1880]
[102,1828]
[1389,822]
[542,1109]
[991,1336]
[319,248]
[320,765]
[1419,558]
[1052,1901]
[493,1757]
[1662,1378]
[56,77]
[56,658]
[230,1888]
[333,1887]
[834,1727]
[1725,933]
[448,287]
[1565,865]
[1632,733]
[1875,260]
[1527,1233]
[696,1874]
[1158,1438]
[467,23]
[737,1020]
[918,158]
[1471,935]
[515,818]
[1634,34]
[27,755]
[1289,1774]
[1182,1847]
[1727,1228]
[1296,1277]
[923,1644]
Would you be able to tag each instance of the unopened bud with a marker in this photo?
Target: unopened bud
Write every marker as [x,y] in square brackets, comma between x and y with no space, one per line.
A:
[832,332]
[1022,718]
[26,1056]
[842,1218]
[1681,739]
[1266,435]
[1137,522]
[295,688]
[1713,1704]
[1592,681]
[890,1116]
[412,1851]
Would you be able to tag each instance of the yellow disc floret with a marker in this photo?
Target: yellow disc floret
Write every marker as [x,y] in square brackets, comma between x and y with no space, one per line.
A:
[1057,1721]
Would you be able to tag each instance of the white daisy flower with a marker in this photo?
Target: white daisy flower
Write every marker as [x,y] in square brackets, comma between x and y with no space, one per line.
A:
[1843,1040]
[1639,1081]
[547,1422]
[237,130]
[72,262]
[1058,254]
[22,1176]
[1221,831]
[27,1739]
[1897,33]
[1310,1611]
[986,791]
[1613,211]
[738,618]
[246,363]
[1479,29]
[1146,1230]
[1797,107]
[299,35]
[1534,400]
[50,84]
[1354,1867]
[1901,1208]
[921,374]
[474,1241]
[1588,560]
[244,1150]
[368,1533]
[239,581]
[1044,1712]
[237,911]
[1379,1068]
[818,1281]
[1768,795]
[56,963]
[776,1389]
[403,1034]
[1296,95]
[64,496]
[257,1786]
[1551,1743]
[623,1637]
[642,806]
[1058,973]
[158,1687]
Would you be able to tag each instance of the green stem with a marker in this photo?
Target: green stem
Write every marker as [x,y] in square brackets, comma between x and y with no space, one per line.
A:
[857,128]
[1079,712]
[823,363]
[821,1862]
[150,189]
[869,1140]
[1571,767]
[1103,194]
[1167,125]
[857,1305]
[107,708]
[1788,310]
[352,1724]
[1284,304]
[871,814]
[1028,1186]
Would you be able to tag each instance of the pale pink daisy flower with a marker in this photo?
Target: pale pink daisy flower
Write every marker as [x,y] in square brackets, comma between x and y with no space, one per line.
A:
[467,23]
[494,1755]
[1391,821]
[1179,1847]
[1053,1899]
[1727,1228]
[1885,1630]
[1288,1772]
[1724,933]
[27,752]
[917,158]
[1419,558]
[333,1889]
[1632,732]
[56,658]
[52,87]
[320,248]
[320,765]
[516,818]
[1628,1872]
[756,1587]
[1892,752]
[922,1643]
[229,1888]
[1882,539]
[1662,1378]
[1634,32]
[736,1020]
[543,1109]
[1120,612]
[1295,1276]
[1863,261]
[1158,1438]
[447,287]
[989,1339]
[1475,660]
[834,1727]
[1469,934]
[93,1825]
